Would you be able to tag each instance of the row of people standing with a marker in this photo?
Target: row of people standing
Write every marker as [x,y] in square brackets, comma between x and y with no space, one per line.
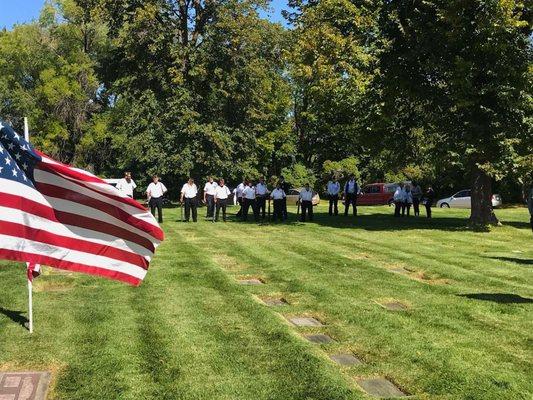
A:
[407,196]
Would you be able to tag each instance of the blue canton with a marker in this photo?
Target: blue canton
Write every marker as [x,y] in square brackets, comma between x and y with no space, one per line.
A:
[17,157]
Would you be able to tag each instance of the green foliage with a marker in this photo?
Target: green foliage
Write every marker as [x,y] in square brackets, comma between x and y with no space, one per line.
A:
[341,169]
[298,175]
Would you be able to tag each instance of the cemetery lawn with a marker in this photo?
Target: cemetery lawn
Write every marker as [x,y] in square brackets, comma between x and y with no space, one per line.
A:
[191,331]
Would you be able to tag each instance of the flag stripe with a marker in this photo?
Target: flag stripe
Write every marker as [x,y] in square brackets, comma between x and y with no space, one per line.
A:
[82,212]
[98,188]
[25,232]
[76,224]
[72,256]
[23,256]
[55,186]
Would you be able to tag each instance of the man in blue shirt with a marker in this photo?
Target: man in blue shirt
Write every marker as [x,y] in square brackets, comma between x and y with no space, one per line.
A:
[351,190]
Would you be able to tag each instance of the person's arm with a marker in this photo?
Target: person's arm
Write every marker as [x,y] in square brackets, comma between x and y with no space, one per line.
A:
[182,194]
[133,184]
[164,188]
[205,193]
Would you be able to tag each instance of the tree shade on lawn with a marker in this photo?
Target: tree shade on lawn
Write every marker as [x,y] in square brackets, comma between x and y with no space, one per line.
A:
[190,331]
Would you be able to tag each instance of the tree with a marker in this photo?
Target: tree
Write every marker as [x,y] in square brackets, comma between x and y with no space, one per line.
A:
[462,68]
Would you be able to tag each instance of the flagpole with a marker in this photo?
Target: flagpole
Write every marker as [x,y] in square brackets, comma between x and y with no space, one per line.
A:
[30,284]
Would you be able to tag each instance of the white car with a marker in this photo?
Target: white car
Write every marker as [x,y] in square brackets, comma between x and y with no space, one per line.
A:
[462,200]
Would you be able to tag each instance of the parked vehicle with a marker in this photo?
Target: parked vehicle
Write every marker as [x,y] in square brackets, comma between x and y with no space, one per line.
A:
[377,194]
[293,196]
[462,199]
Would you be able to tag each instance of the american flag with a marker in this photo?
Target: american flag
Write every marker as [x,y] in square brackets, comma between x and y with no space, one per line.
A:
[64,217]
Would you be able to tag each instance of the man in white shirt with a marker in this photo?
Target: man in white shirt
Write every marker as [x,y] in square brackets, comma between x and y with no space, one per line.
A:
[209,196]
[221,198]
[334,187]
[188,195]
[126,185]
[155,193]
[306,200]
[278,195]
[398,199]
[261,191]
[249,201]
[351,190]
[238,194]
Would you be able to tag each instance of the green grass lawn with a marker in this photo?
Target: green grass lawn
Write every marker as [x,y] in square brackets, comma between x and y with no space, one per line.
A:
[190,331]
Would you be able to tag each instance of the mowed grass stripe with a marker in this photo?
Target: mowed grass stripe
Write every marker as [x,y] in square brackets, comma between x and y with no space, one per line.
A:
[192,332]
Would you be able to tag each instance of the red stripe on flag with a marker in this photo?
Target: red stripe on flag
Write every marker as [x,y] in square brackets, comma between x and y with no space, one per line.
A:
[67,265]
[74,176]
[40,210]
[23,231]
[70,195]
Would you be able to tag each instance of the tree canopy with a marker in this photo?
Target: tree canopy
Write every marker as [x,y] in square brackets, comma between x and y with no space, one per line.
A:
[435,90]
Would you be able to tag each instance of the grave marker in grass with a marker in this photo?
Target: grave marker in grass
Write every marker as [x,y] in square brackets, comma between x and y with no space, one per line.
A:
[305,321]
[380,387]
[24,385]
[319,338]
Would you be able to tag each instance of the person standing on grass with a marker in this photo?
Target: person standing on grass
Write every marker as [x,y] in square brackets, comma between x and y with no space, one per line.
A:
[221,198]
[188,194]
[249,201]
[408,200]
[126,185]
[285,187]
[416,192]
[278,195]
[398,200]
[209,196]
[530,206]
[155,193]
[261,192]
[334,187]
[351,190]
[238,194]
[429,197]
[306,200]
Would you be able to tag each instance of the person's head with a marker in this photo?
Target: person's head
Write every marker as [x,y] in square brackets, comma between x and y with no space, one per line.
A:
[352,177]
[262,179]
[221,181]
[278,185]
[191,181]
[155,178]
[307,185]
[127,176]
[249,183]
[210,179]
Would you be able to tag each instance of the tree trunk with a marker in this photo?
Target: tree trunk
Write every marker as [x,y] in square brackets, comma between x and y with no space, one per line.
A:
[482,213]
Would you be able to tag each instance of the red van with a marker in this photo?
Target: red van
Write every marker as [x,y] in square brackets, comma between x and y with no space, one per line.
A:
[377,194]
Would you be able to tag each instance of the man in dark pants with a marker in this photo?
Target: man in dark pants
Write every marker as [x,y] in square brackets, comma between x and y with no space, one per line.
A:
[238,192]
[278,195]
[351,189]
[221,198]
[261,193]
[334,187]
[416,192]
[155,193]
[285,187]
[429,196]
[209,196]
[306,199]
[249,201]
[188,194]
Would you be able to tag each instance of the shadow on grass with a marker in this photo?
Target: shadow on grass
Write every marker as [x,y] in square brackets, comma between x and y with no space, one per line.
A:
[502,298]
[15,316]
[515,260]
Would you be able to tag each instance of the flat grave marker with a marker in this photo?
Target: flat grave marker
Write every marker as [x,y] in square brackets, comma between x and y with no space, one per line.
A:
[346,359]
[251,281]
[24,385]
[380,387]
[394,306]
[273,302]
[319,338]
[305,321]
